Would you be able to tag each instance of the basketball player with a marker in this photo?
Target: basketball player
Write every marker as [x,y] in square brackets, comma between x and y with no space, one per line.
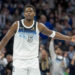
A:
[26,42]
[58,61]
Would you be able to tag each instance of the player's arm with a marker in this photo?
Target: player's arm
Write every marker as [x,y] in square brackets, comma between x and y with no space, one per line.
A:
[48,32]
[51,49]
[8,36]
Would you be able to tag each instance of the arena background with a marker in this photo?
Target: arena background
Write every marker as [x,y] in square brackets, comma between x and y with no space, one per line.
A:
[58,15]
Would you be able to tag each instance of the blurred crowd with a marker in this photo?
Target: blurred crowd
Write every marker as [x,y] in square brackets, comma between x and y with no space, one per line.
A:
[58,15]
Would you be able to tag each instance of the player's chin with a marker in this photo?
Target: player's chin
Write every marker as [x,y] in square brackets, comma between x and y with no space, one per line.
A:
[29,19]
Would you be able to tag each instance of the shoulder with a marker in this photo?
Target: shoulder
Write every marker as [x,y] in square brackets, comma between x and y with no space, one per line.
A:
[14,26]
[41,26]
[15,23]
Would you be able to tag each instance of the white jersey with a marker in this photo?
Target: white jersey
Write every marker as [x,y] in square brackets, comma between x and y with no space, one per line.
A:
[26,41]
[57,68]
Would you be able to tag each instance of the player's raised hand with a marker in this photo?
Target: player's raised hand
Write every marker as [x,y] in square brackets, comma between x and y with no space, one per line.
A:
[73,38]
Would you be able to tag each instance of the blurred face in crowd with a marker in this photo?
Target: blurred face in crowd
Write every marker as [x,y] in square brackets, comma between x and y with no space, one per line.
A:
[41,47]
[17,12]
[9,58]
[60,44]
[65,21]
[43,18]
[71,48]
[69,4]
[51,15]
[51,21]
[73,31]
[44,55]
[29,13]
[67,43]
[59,51]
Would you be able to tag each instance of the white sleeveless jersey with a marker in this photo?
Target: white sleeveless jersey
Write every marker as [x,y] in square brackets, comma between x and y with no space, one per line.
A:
[26,41]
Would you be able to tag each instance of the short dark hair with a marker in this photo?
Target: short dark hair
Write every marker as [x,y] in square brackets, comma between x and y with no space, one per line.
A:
[31,6]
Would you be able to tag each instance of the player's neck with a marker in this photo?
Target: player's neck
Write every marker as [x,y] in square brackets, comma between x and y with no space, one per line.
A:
[28,22]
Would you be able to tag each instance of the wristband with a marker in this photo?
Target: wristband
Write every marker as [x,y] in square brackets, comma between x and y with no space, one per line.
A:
[53,34]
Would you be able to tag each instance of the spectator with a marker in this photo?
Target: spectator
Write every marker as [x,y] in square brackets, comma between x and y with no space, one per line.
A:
[70,7]
[44,63]
[67,71]
[67,27]
[9,65]
[71,52]
[58,61]
[72,66]
[3,63]
[67,59]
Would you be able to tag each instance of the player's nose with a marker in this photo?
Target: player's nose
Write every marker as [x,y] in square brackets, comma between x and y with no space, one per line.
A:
[28,12]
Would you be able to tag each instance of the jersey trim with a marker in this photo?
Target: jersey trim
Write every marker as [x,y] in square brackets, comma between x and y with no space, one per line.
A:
[18,26]
[27,26]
